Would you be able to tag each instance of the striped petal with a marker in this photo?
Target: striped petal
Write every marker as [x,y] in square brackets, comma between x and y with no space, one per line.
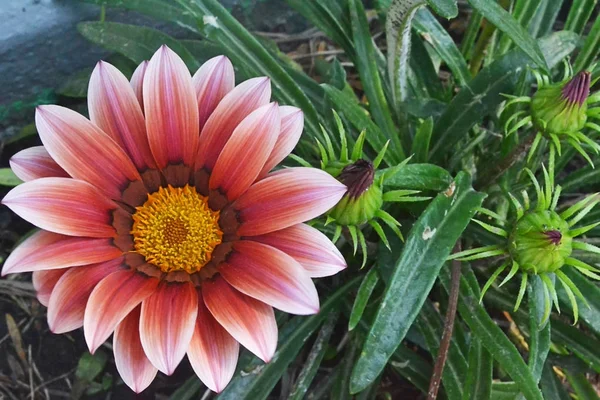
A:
[137,82]
[213,353]
[133,365]
[34,163]
[292,123]
[84,151]
[246,152]
[70,296]
[167,324]
[44,282]
[114,107]
[63,205]
[286,198]
[46,250]
[249,321]
[271,276]
[171,109]
[212,82]
[235,106]
[307,245]
[111,300]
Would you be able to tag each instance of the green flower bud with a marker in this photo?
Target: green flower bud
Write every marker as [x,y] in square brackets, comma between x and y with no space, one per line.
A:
[364,197]
[562,108]
[540,242]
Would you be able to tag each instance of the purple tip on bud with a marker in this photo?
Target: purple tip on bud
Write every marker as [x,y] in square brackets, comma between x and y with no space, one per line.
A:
[554,237]
[358,177]
[577,89]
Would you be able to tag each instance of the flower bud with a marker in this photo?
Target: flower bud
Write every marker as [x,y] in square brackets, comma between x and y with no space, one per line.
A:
[561,108]
[364,197]
[540,242]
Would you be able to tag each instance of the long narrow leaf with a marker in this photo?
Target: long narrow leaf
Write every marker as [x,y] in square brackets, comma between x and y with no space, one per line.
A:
[498,16]
[590,49]
[370,78]
[415,272]
[579,13]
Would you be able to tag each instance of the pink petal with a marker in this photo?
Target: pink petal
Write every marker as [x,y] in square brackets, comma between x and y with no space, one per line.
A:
[46,250]
[285,198]
[69,298]
[63,205]
[292,123]
[307,245]
[212,82]
[213,353]
[111,300]
[245,153]
[235,106]
[133,365]
[249,321]
[137,82]
[271,276]
[44,282]
[167,324]
[115,108]
[171,109]
[34,163]
[84,151]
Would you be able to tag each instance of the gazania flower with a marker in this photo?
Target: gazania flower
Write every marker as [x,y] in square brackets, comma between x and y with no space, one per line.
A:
[162,223]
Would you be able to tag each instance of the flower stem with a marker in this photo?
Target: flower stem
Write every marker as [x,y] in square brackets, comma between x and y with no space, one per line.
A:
[440,362]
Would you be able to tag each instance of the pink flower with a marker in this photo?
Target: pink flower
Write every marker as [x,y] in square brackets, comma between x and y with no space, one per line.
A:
[161,222]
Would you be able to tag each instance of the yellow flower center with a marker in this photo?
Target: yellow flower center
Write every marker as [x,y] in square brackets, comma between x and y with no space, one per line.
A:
[176,230]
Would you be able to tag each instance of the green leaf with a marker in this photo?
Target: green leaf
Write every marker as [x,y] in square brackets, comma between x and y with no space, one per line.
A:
[411,366]
[478,383]
[90,366]
[137,43]
[420,146]
[591,292]
[259,383]
[359,118]
[431,326]
[523,13]
[370,79]
[483,94]
[362,297]
[544,18]
[329,19]
[583,345]
[398,38]
[582,387]
[217,24]
[590,50]
[552,387]
[500,18]
[444,8]
[188,390]
[417,177]
[579,13]
[159,9]
[8,177]
[493,339]
[539,336]
[582,177]
[434,33]
[313,361]
[424,79]
[428,245]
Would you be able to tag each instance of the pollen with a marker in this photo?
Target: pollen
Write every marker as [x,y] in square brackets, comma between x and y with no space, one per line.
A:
[176,230]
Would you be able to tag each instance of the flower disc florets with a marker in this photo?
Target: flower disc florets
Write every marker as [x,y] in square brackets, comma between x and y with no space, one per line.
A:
[540,242]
